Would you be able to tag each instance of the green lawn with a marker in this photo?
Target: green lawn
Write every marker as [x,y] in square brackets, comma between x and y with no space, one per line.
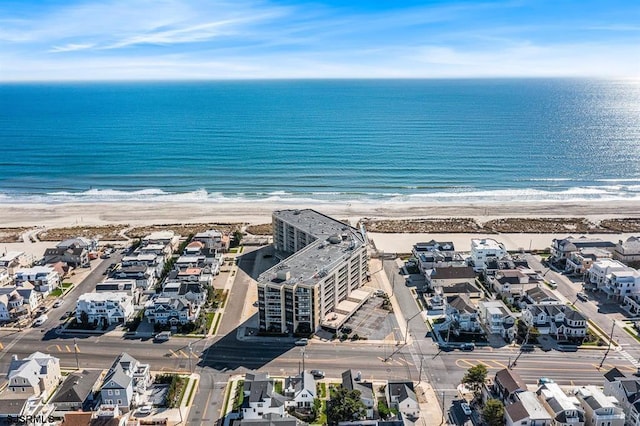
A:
[66,285]
[56,293]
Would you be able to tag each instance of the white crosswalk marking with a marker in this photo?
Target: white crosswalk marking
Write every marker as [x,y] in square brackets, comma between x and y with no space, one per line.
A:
[624,354]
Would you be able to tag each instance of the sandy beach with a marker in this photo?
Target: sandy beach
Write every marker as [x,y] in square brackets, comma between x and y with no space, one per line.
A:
[137,214]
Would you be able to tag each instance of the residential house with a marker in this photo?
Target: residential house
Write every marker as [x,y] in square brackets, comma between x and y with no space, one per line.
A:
[627,251]
[497,318]
[562,248]
[353,381]
[38,374]
[213,239]
[463,313]
[402,397]
[193,292]
[104,308]
[512,284]
[88,244]
[144,275]
[599,409]
[5,277]
[18,302]
[167,239]
[271,419]
[45,279]
[260,397]
[579,262]
[300,391]
[537,295]
[77,391]
[153,261]
[171,311]
[111,285]
[72,256]
[565,410]
[485,250]
[626,390]
[526,410]
[467,288]
[126,379]
[556,319]
[208,262]
[449,275]
[13,260]
[507,384]
[434,254]
[504,264]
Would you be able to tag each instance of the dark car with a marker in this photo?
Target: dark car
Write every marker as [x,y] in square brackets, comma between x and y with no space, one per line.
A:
[467,347]
[445,347]
[317,374]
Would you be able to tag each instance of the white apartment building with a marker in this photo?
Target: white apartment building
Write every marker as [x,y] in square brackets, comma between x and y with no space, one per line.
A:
[327,260]
[485,250]
[615,279]
[109,307]
[44,279]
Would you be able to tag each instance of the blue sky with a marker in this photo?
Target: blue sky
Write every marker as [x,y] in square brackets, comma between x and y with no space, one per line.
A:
[210,39]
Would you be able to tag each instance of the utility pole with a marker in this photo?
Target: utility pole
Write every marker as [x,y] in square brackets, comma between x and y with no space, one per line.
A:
[442,422]
[613,326]
[420,371]
[75,349]
[190,362]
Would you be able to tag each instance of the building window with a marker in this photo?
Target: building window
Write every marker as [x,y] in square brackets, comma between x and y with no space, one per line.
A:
[109,392]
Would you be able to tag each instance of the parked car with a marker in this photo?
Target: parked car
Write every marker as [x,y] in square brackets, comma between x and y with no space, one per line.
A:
[444,347]
[553,284]
[145,410]
[66,315]
[527,348]
[466,409]
[317,374]
[302,342]
[544,380]
[163,336]
[582,296]
[40,320]
[58,303]
[467,347]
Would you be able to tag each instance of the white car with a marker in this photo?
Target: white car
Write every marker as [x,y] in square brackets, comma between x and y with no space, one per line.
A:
[302,342]
[145,410]
[163,336]
[466,409]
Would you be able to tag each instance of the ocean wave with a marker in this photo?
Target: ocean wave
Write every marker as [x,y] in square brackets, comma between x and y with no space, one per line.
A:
[454,195]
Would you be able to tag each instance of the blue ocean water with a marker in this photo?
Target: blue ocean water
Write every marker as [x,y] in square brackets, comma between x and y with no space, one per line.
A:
[322,140]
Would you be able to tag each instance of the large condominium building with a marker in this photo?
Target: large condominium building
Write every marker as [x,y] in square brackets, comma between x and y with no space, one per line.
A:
[327,260]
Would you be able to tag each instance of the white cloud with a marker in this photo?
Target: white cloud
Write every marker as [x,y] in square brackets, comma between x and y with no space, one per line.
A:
[71,47]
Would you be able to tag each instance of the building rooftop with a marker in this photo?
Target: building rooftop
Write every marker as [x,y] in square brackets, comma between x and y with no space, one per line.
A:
[336,242]
[485,244]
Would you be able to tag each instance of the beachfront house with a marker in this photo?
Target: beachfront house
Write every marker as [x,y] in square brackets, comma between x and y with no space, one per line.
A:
[74,257]
[579,262]
[213,239]
[104,308]
[627,251]
[562,248]
[13,260]
[486,250]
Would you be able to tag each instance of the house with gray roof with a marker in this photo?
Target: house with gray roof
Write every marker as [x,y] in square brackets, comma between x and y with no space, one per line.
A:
[526,410]
[565,409]
[300,391]
[402,397]
[626,390]
[462,312]
[556,319]
[562,248]
[599,409]
[353,381]
[507,384]
[125,380]
[260,397]
[77,391]
[38,374]
[271,419]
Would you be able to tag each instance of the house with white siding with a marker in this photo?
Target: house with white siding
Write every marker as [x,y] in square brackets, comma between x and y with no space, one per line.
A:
[104,308]
[44,279]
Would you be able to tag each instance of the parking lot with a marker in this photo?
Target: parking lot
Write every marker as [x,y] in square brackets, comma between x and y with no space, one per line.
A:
[373,322]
